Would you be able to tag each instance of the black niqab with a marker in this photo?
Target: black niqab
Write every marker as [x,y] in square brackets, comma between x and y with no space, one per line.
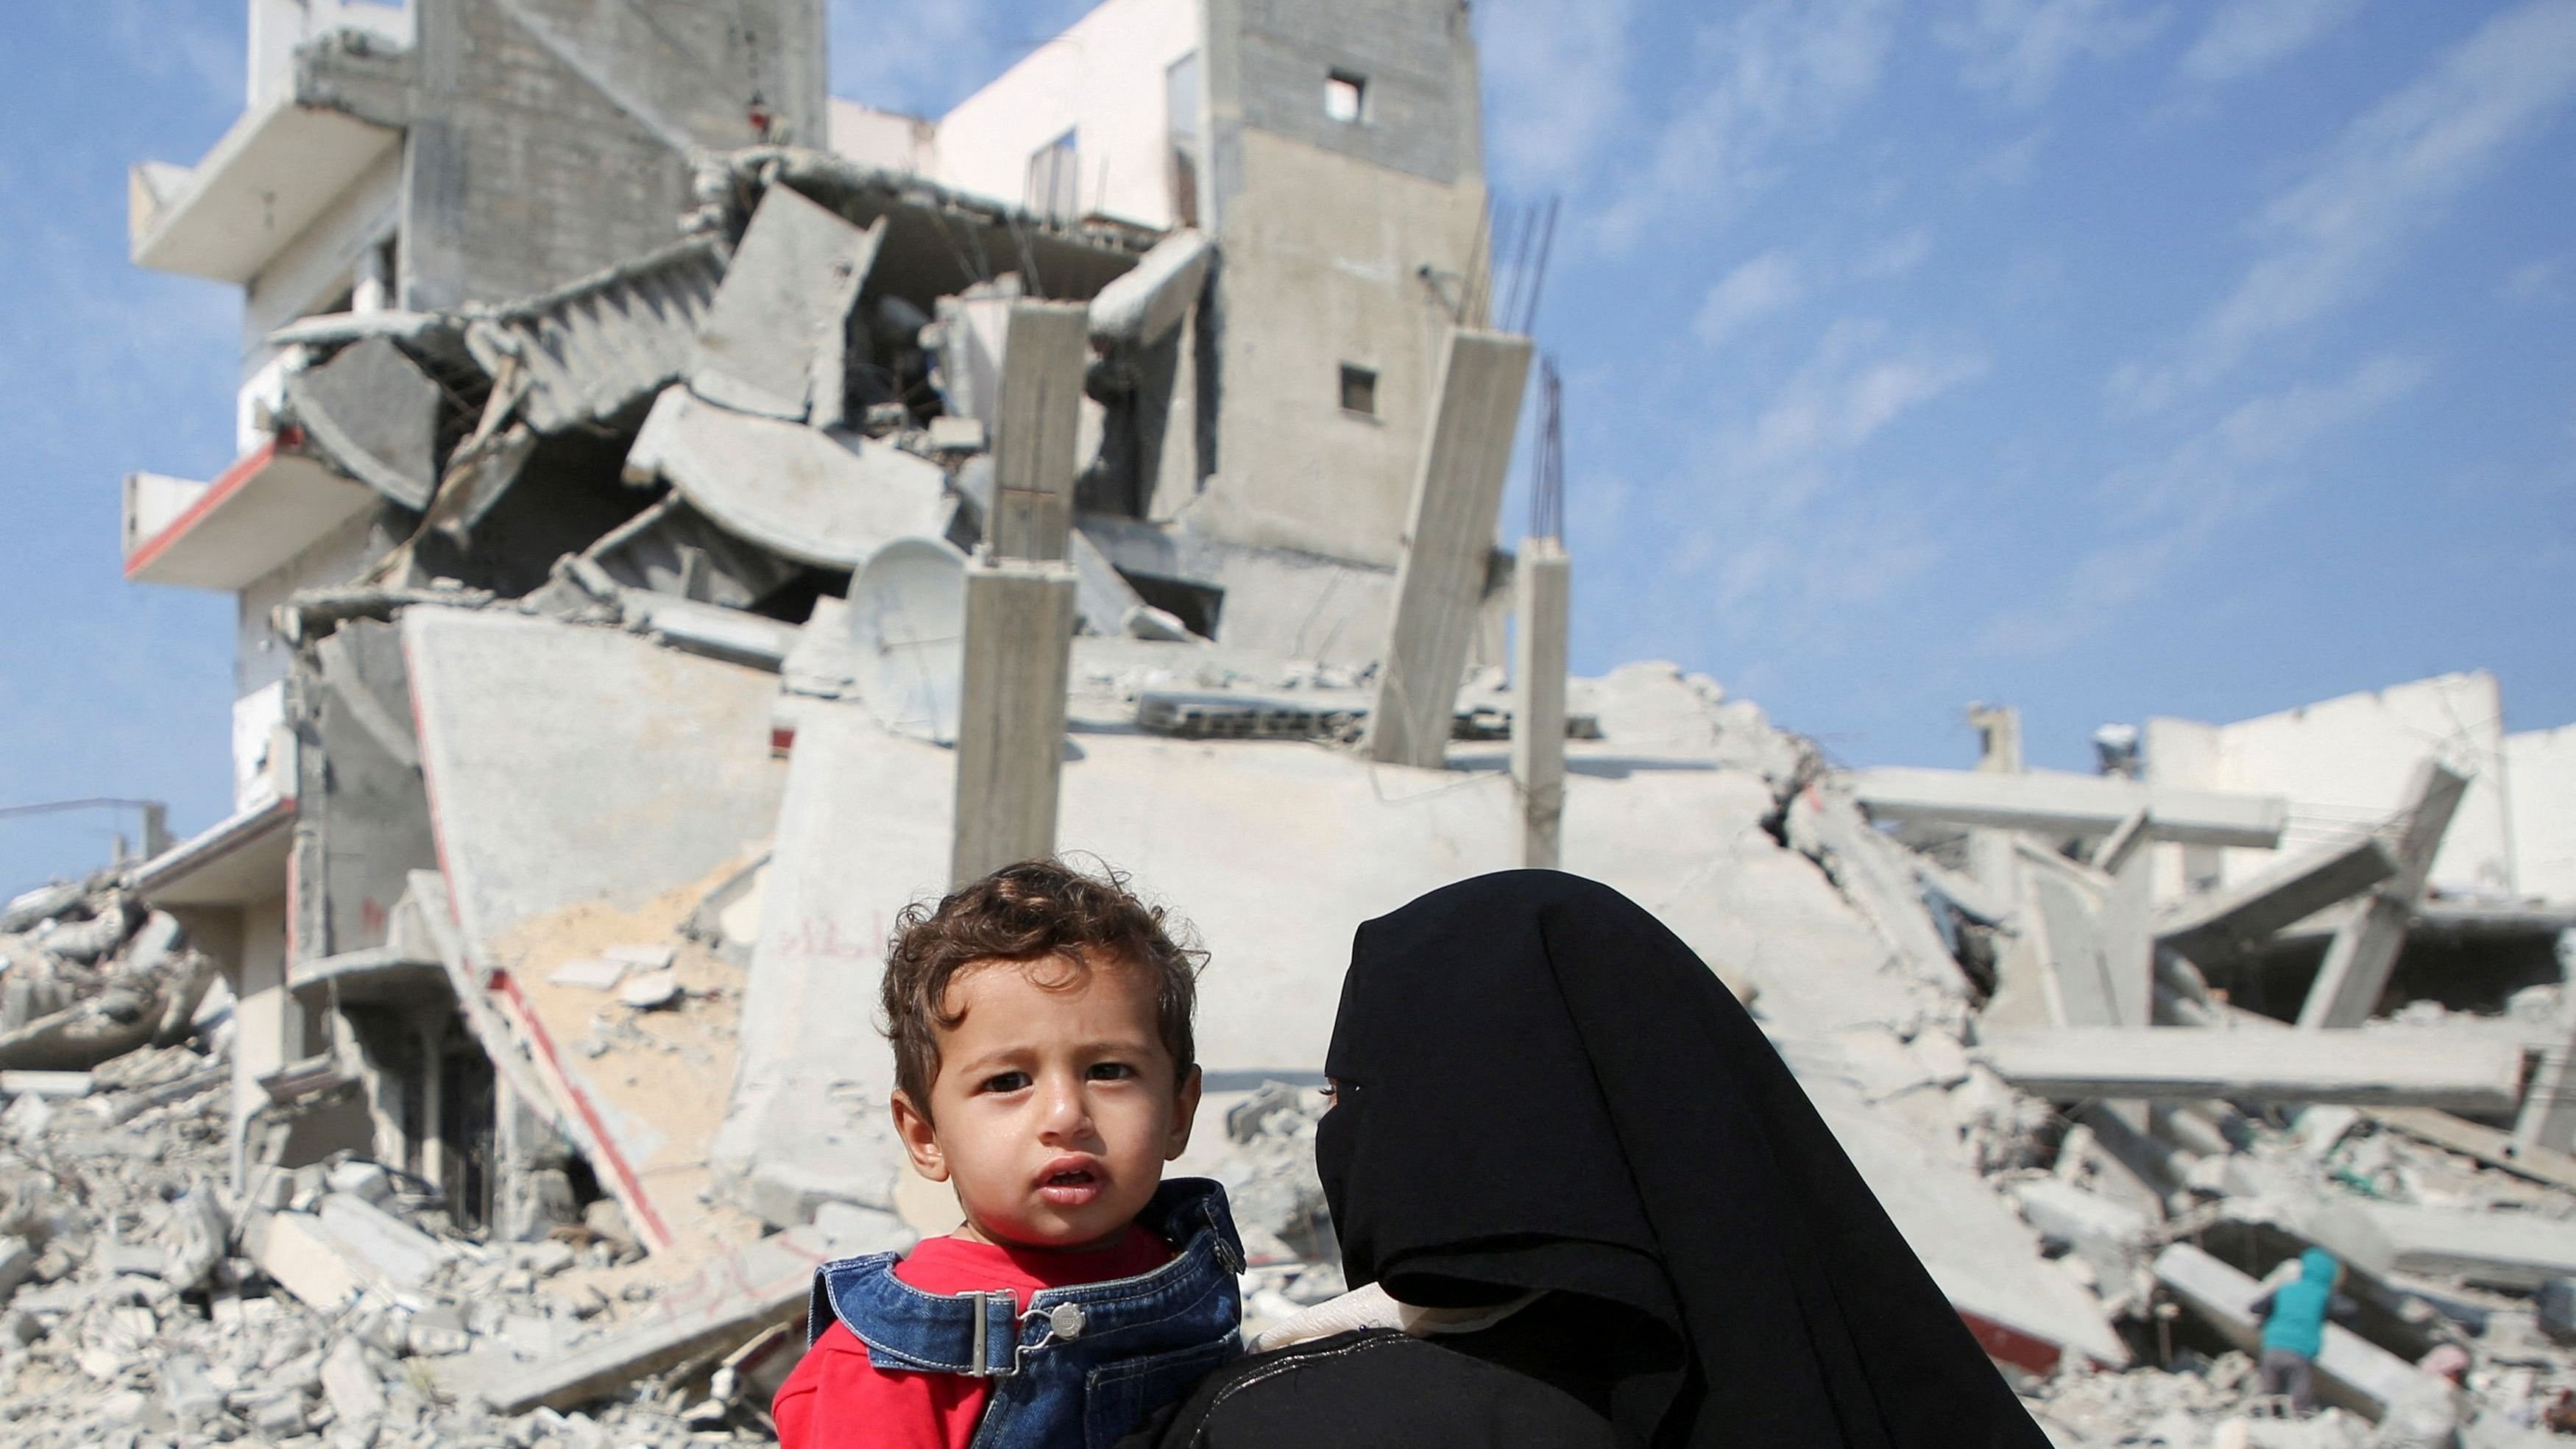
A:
[1542,1088]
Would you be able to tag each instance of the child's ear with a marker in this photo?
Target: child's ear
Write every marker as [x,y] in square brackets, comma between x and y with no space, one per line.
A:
[1185,1112]
[920,1139]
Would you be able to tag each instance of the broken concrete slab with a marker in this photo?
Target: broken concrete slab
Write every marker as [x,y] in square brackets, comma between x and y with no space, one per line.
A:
[2364,951]
[773,342]
[45,1084]
[590,973]
[2351,1370]
[797,491]
[1440,583]
[2179,1064]
[375,414]
[593,348]
[1142,306]
[1876,876]
[2227,920]
[671,548]
[569,766]
[2053,802]
[726,1302]
[2498,1248]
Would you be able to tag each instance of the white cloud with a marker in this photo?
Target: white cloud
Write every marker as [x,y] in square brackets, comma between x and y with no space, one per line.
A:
[2167,510]
[2245,36]
[1896,256]
[1845,394]
[2392,173]
[2542,281]
[1769,74]
[1764,285]
[1555,84]
[2018,50]
[1779,518]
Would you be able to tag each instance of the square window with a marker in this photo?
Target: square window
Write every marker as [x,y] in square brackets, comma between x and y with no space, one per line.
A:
[1345,96]
[1359,390]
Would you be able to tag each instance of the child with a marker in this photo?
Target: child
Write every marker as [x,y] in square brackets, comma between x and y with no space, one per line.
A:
[1044,1069]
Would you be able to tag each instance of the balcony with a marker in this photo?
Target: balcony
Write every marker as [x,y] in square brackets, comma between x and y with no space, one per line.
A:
[278,168]
[272,505]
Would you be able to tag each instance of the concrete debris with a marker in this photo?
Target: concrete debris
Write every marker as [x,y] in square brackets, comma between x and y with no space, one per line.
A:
[2380,1069]
[450,1090]
[819,498]
[775,340]
[375,414]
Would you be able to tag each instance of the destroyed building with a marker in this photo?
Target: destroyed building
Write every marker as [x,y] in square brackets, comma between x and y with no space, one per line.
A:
[680,519]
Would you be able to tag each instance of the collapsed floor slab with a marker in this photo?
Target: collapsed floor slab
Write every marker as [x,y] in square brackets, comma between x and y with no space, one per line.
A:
[2179,1064]
[573,768]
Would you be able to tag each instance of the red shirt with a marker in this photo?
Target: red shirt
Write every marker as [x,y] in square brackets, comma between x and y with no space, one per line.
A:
[836,1399]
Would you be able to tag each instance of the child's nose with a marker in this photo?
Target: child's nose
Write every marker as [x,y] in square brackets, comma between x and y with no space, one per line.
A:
[1067,1109]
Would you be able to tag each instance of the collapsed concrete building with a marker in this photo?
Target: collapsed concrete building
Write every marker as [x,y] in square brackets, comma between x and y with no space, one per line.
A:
[681,519]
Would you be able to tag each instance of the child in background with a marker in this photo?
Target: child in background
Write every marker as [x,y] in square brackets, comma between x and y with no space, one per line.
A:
[2294,1328]
[1044,1069]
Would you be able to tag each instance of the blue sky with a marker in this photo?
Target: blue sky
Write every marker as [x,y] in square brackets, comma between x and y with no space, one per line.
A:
[2104,357]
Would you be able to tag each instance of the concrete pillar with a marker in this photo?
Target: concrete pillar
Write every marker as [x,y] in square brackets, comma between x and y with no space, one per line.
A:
[1457,494]
[2364,951]
[2548,1117]
[1991,857]
[1010,724]
[2128,948]
[1046,347]
[1538,698]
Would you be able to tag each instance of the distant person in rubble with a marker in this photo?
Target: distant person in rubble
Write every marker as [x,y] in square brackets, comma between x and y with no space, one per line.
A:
[2294,1328]
[2427,1413]
[1044,1069]
[1588,1205]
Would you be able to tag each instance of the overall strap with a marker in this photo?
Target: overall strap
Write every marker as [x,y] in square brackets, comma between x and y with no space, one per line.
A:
[975,1333]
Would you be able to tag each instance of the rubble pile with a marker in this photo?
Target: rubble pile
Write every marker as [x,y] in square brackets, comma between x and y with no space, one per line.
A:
[145,1306]
[640,610]
[87,975]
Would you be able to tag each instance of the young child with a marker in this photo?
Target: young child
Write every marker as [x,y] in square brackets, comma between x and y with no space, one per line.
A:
[1044,1069]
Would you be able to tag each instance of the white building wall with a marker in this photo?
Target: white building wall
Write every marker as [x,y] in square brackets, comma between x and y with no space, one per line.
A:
[887,139]
[2540,808]
[2345,764]
[278,26]
[1104,80]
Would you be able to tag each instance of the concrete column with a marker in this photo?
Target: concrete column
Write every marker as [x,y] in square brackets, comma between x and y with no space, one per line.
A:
[1045,349]
[1457,494]
[2365,950]
[2128,945]
[2548,1117]
[1538,698]
[1991,858]
[1010,724]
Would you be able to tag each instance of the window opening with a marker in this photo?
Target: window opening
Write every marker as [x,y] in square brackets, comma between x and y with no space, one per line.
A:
[1181,127]
[1055,178]
[1359,390]
[1345,96]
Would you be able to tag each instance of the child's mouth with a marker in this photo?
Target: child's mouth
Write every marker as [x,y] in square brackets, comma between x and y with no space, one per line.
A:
[1070,1187]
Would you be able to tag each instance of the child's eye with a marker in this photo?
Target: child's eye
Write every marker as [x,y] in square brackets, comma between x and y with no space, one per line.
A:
[1111,1071]
[1006,1082]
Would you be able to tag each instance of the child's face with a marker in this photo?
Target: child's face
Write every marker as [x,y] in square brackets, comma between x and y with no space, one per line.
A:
[1055,1106]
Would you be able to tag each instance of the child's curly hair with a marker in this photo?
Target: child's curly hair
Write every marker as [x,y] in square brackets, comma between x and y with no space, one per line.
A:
[1026,912]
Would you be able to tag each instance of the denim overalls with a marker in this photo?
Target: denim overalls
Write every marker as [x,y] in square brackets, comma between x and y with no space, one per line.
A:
[1084,1365]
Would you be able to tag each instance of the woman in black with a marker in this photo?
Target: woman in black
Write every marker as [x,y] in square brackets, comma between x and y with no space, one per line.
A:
[1592,1207]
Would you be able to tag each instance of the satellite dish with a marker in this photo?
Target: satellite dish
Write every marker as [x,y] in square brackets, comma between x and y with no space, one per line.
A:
[908,621]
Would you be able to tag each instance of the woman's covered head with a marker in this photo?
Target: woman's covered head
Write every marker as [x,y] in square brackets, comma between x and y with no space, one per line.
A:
[1541,1089]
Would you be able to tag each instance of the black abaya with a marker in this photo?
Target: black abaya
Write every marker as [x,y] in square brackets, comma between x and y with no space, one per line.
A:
[1539,1087]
